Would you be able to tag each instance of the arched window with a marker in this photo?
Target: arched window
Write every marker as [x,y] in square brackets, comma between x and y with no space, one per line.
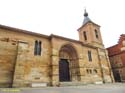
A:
[96,34]
[37,48]
[85,36]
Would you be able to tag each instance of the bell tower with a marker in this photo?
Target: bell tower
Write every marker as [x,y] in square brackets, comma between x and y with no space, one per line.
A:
[89,32]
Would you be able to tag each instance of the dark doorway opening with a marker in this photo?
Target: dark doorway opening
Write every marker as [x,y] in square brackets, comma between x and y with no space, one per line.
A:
[64,74]
[117,77]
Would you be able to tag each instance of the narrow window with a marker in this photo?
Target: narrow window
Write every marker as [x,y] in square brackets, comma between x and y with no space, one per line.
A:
[96,34]
[89,55]
[95,71]
[90,71]
[87,71]
[85,36]
[37,48]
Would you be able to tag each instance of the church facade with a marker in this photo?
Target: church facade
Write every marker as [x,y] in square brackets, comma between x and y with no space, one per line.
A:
[28,59]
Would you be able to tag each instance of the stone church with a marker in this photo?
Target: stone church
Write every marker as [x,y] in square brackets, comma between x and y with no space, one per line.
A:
[29,59]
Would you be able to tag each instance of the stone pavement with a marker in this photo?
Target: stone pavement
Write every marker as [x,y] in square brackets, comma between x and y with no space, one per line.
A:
[91,88]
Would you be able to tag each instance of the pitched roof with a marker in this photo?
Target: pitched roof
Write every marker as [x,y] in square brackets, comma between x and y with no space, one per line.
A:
[22,31]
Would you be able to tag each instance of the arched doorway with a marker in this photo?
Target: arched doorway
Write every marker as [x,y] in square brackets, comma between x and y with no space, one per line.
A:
[68,64]
[64,70]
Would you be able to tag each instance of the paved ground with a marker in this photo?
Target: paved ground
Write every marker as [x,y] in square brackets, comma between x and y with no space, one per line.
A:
[105,88]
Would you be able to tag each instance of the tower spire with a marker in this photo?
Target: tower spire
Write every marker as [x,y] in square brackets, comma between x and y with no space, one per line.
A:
[85,13]
[86,18]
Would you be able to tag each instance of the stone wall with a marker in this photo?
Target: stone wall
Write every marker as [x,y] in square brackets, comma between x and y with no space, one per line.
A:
[22,68]
[19,54]
[90,72]
[8,52]
[106,66]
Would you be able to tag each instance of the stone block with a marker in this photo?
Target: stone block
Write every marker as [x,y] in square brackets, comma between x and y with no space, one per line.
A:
[38,84]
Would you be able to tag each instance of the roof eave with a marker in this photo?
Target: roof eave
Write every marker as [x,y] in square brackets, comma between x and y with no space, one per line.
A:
[22,31]
[87,23]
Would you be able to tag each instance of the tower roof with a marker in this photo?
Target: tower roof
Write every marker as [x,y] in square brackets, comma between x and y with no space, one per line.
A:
[86,18]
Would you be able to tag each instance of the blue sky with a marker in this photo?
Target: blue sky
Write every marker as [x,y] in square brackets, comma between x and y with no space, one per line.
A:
[64,17]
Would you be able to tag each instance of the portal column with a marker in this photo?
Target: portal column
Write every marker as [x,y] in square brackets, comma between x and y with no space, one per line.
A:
[82,69]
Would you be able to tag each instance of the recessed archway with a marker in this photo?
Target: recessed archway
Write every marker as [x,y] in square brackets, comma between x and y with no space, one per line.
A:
[68,71]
